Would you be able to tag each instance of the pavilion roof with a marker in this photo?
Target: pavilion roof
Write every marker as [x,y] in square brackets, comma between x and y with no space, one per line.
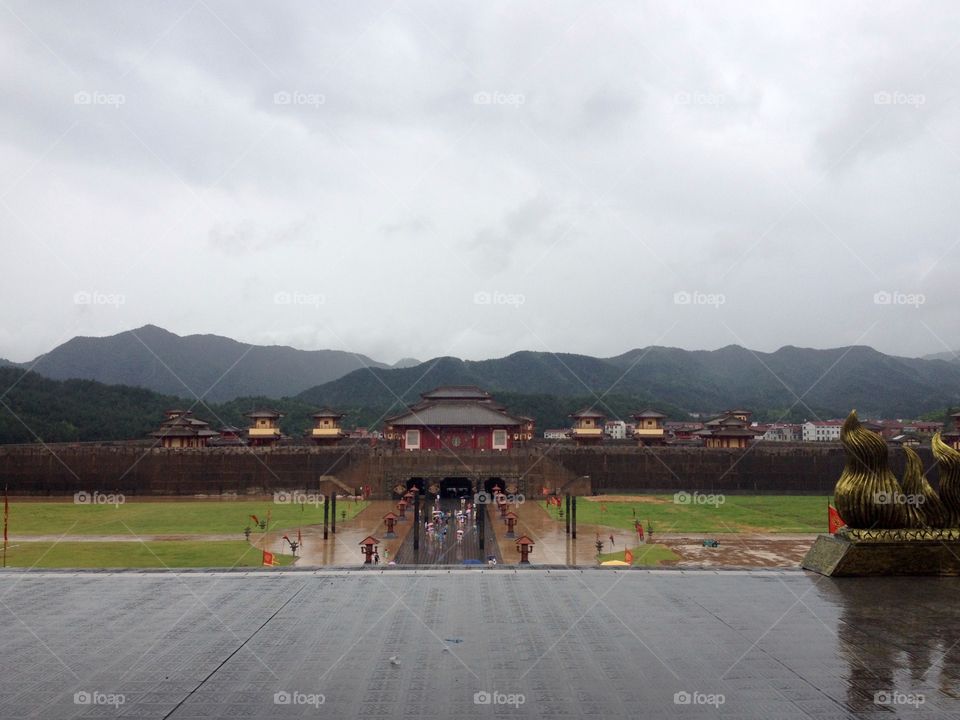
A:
[454,414]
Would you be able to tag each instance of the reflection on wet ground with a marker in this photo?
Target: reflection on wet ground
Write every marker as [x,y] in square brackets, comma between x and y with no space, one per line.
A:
[552,546]
[425,643]
[439,548]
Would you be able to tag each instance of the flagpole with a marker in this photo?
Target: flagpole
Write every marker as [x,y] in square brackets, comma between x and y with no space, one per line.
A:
[6,518]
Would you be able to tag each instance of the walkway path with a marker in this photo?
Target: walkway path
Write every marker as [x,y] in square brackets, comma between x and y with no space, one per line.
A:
[436,551]
[343,548]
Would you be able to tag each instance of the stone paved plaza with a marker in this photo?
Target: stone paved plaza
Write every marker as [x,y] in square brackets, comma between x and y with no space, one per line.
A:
[477,643]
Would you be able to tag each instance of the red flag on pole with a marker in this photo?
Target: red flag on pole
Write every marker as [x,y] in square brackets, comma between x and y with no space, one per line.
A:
[254,518]
[628,557]
[268,558]
[6,519]
[834,521]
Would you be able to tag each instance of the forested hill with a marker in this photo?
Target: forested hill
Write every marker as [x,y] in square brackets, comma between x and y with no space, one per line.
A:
[823,383]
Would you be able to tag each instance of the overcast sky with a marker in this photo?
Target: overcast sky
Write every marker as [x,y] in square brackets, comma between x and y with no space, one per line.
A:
[438,178]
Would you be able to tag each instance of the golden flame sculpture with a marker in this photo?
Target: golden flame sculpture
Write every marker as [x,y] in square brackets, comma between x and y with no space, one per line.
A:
[948,460]
[867,494]
[923,506]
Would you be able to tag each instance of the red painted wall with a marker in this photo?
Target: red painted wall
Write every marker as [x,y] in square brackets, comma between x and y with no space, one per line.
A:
[472,438]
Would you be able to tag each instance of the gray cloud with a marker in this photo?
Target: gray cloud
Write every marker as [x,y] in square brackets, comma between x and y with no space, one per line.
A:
[401,159]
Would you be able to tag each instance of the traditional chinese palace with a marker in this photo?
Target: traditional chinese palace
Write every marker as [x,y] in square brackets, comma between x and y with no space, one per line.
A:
[458,417]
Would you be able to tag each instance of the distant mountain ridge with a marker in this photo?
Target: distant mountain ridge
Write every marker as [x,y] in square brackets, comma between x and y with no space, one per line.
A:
[816,383]
[949,356]
[215,367]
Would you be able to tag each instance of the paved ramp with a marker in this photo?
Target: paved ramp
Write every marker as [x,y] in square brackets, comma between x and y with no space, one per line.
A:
[435,550]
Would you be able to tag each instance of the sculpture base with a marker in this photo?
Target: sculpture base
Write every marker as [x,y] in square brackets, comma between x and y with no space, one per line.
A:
[875,554]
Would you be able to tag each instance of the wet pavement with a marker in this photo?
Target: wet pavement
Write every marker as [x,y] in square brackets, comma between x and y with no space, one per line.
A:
[342,549]
[439,549]
[477,643]
[552,545]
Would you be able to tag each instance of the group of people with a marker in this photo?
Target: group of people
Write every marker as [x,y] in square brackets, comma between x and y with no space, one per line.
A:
[441,522]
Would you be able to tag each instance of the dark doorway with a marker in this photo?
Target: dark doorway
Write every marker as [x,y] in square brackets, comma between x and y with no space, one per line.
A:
[456,487]
[419,482]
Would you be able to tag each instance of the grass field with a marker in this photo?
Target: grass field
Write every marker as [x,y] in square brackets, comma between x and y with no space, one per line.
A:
[163,518]
[168,553]
[643,555]
[737,513]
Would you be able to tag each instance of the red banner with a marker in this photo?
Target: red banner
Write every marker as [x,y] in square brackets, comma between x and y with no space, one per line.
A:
[834,521]
[628,557]
[268,558]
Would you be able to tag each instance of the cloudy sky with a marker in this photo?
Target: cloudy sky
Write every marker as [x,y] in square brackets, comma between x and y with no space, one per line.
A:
[436,178]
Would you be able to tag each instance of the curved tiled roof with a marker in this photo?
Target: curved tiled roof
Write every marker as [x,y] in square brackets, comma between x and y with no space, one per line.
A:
[456,392]
[455,414]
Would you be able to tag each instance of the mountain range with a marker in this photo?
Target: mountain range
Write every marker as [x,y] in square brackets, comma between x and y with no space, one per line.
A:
[214,367]
[792,382]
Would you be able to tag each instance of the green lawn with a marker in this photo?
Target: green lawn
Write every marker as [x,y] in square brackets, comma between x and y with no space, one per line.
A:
[163,518]
[643,555]
[737,513]
[168,553]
